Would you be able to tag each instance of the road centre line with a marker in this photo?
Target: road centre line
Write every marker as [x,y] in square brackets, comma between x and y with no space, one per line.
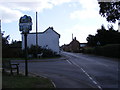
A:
[91,79]
[85,73]
[88,59]
[69,62]
[76,64]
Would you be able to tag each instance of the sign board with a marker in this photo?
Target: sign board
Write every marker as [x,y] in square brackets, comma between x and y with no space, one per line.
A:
[25,24]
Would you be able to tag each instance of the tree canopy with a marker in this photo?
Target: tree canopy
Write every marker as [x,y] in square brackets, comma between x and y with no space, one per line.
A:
[104,37]
[5,39]
[110,10]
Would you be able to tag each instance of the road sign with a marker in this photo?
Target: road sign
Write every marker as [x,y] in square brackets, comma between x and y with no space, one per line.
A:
[25,24]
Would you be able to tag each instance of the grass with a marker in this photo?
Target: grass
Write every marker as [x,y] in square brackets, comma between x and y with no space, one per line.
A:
[20,81]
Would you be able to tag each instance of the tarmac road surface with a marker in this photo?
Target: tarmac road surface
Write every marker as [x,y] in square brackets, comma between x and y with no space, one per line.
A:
[78,71]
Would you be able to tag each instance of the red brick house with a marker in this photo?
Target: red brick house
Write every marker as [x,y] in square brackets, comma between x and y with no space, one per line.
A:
[73,46]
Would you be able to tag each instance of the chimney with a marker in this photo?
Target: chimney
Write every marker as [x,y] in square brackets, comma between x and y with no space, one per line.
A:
[75,38]
[72,36]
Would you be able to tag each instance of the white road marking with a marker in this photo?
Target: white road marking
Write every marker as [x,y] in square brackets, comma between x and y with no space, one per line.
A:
[95,82]
[53,83]
[86,74]
[91,79]
[88,59]
[69,62]
[43,77]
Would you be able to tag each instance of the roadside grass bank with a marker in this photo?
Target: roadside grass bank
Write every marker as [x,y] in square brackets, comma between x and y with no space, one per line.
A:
[20,81]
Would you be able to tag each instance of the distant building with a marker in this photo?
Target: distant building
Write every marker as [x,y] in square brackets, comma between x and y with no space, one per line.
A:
[48,39]
[83,45]
[73,46]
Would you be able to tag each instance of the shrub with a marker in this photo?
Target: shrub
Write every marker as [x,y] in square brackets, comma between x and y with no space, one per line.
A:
[110,50]
[33,50]
[11,52]
[48,53]
[88,50]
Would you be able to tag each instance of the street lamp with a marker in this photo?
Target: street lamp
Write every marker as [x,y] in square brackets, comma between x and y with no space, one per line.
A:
[25,25]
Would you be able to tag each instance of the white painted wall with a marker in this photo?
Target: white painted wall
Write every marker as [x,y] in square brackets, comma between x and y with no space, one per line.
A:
[48,39]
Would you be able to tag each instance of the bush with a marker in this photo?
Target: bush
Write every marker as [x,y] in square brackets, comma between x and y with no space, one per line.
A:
[110,50]
[48,53]
[45,52]
[11,52]
[88,50]
[33,50]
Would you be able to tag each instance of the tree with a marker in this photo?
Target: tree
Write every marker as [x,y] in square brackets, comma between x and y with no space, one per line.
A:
[91,40]
[110,10]
[5,45]
[5,40]
[104,37]
[12,50]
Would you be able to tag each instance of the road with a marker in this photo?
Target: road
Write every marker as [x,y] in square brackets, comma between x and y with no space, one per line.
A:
[78,71]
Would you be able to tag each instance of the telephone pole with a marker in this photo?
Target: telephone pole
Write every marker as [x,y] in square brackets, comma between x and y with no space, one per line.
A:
[36,31]
[36,35]
[0,26]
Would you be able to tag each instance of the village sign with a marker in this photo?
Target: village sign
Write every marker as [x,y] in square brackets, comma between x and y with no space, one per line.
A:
[25,25]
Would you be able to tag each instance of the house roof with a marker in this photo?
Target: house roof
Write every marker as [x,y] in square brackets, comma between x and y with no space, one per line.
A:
[46,31]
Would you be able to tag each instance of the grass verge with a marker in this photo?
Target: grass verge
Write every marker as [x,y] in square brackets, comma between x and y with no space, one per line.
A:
[20,81]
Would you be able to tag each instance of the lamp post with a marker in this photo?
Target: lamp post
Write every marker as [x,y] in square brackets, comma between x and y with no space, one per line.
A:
[25,25]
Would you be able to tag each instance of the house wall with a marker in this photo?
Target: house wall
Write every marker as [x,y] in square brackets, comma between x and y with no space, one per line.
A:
[49,40]
[31,40]
[75,46]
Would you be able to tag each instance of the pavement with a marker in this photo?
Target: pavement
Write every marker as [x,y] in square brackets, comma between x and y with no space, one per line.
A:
[40,60]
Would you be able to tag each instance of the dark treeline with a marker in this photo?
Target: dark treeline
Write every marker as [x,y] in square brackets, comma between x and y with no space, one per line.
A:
[104,37]
[11,50]
[104,42]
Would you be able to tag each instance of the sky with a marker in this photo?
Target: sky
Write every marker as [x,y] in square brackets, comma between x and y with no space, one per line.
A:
[67,17]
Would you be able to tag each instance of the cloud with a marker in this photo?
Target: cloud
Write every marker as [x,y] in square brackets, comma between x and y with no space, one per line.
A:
[92,4]
[16,7]
[58,2]
[89,10]
[9,15]
[79,31]
[11,9]
[84,14]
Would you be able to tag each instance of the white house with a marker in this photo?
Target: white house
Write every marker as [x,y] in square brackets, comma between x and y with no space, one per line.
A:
[48,39]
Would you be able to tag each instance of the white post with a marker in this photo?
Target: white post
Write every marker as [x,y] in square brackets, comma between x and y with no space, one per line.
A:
[0,57]
[119,25]
[0,26]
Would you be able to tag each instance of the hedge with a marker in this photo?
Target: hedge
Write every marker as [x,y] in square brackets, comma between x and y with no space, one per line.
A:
[110,50]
